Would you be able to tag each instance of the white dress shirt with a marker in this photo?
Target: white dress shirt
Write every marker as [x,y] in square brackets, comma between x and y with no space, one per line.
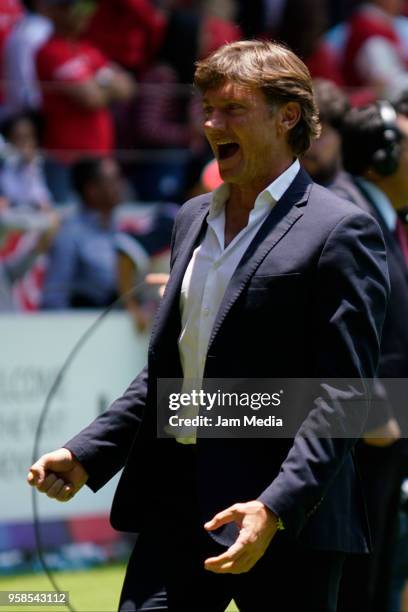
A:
[209,273]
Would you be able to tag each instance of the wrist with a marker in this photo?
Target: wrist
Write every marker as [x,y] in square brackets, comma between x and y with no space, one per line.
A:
[280,526]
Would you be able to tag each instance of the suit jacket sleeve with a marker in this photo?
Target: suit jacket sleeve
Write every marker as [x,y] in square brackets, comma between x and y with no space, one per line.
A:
[103,446]
[381,409]
[350,301]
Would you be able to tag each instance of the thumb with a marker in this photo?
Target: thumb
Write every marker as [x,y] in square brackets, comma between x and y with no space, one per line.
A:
[222,518]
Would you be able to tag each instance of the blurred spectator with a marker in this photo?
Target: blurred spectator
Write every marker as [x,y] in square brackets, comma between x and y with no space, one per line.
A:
[301,27]
[209,179]
[259,17]
[399,586]
[323,158]
[22,179]
[144,248]
[24,236]
[78,84]
[128,32]
[375,151]
[374,52]
[222,9]
[167,116]
[82,267]
[10,12]
[21,87]
[29,220]
[300,24]
[372,148]
[339,11]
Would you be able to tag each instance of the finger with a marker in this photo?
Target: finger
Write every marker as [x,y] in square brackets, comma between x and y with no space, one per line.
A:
[241,568]
[222,518]
[56,461]
[65,494]
[36,474]
[31,479]
[234,565]
[46,484]
[231,554]
[56,488]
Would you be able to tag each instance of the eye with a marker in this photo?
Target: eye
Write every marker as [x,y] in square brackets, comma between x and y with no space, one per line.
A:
[207,110]
[235,108]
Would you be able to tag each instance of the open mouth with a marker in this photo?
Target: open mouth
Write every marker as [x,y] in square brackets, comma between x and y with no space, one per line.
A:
[227,149]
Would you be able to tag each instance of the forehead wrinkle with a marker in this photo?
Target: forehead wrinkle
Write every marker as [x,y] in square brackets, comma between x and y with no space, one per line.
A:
[230,92]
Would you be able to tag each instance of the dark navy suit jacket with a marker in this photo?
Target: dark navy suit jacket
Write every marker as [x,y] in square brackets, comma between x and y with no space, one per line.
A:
[393,362]
[307,300]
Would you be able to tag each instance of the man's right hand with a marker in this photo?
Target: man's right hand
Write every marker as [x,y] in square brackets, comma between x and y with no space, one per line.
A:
[58,474]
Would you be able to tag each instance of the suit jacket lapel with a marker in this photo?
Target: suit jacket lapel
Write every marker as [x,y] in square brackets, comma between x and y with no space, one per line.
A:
[284,214]
[392,243]
[185,250]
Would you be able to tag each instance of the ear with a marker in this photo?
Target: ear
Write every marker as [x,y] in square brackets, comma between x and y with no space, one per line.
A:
[288,116]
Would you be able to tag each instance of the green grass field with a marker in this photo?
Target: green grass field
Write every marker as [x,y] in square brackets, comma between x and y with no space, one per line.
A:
[95,590]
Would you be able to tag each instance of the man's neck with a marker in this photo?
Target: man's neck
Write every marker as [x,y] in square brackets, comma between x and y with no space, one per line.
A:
[242,197]
[242,200]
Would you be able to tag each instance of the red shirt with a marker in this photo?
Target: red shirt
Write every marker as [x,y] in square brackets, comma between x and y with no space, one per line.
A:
[129,32]
[363,26]
[70,129]
[324,64]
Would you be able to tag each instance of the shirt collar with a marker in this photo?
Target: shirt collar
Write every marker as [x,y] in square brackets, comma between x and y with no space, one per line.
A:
[271,194]
[381,203]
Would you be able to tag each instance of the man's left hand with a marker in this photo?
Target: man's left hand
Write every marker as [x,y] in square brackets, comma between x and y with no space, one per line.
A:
[257,525]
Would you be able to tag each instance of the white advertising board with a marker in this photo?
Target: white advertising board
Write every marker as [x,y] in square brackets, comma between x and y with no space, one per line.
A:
[33,350]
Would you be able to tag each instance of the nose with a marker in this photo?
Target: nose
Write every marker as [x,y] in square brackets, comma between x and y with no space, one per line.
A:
[215,120]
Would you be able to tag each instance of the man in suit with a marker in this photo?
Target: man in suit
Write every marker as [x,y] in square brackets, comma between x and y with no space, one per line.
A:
[271,277]
[366,135]
[375,152]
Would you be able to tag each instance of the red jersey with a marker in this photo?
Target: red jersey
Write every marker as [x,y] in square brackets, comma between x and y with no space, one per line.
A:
[129,32]
[70,129]
[363,26]
[324,64]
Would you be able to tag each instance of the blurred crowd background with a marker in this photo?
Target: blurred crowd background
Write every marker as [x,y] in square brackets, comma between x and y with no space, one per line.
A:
[100,128]
[101,142]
